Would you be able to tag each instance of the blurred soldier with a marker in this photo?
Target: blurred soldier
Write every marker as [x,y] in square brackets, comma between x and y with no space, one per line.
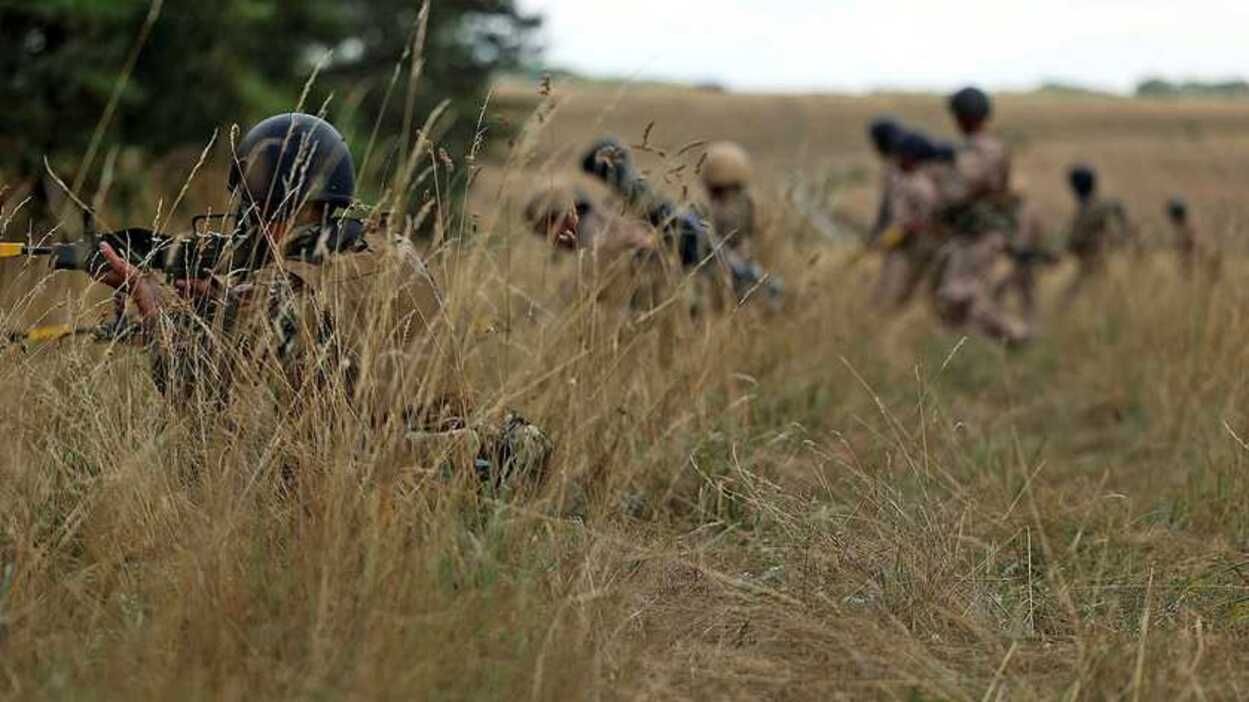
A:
[682,229]
[621,262]
[1099,225]
[726,174]
[914,200]
[980,211]
[908,256]
[1027,253]
[884,132]
[313,307]
[1194,251]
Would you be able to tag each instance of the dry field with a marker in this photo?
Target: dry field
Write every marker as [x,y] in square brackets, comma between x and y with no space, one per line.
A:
[818,505]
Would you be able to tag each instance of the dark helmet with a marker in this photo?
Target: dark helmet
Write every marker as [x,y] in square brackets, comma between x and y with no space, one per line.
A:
[971,105]
[1177,209]
[292,160]
[884,132]
[1083,180]
[915,147]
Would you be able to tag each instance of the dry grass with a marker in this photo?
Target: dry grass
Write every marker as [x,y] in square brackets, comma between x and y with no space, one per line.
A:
[821,505]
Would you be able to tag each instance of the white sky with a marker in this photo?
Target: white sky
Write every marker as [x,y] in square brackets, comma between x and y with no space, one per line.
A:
[795,45]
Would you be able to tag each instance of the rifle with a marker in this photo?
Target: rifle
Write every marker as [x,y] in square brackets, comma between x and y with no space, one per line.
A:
[193,257]
[179,258]
[610,161]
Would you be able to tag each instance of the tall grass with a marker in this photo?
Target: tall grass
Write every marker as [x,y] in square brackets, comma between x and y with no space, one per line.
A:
[821,504]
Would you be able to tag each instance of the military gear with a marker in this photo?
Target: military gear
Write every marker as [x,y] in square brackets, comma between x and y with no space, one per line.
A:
[733,218]
[1083,181]
[1098,224]
[727,166]
[971,105]
[884,133]
[289,161]
[981,213]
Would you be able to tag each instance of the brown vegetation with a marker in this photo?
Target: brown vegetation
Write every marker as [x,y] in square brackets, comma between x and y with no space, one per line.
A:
[817,505]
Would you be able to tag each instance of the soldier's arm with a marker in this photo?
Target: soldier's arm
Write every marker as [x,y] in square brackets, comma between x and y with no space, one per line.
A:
[884,210]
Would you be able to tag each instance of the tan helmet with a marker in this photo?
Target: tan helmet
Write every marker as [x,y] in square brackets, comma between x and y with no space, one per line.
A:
[727,165]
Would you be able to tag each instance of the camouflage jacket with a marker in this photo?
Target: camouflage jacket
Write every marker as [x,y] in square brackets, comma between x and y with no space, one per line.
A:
[1098,225]
[976,191]
[353,320]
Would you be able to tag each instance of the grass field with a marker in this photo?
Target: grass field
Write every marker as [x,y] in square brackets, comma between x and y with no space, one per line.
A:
[818,505]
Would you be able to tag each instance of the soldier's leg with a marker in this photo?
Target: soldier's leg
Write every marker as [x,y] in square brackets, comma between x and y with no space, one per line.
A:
[896,273]
[955,286]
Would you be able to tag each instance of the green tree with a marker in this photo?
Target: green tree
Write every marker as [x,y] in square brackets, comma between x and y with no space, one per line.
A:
[213,63]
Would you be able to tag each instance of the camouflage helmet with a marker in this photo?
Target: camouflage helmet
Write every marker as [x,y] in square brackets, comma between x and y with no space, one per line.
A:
[290,160]
[1083,180]
[727,165]
[971,105]
[553,201]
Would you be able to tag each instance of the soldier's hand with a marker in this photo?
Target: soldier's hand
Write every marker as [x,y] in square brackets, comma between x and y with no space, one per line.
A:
[123,275]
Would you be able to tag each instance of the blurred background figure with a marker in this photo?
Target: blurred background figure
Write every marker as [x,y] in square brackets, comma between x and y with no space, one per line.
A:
[1099,226]
[621,266]
[906,230]
[980,210]
[1196,254]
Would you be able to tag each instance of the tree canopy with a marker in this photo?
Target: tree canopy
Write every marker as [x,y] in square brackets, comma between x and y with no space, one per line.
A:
[203,65]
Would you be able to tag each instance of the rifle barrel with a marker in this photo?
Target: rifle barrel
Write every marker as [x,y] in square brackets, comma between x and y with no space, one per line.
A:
[13,249]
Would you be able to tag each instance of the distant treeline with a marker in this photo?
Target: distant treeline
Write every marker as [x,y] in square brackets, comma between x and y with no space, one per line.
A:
[1159,87]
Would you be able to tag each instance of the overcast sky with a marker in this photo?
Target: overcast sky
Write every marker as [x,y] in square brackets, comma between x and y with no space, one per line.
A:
[796,45]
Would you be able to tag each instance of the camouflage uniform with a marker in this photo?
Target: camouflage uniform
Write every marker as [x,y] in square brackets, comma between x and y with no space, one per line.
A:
[980,212]
[621,264]
[321,313]
[1194,251]
[355,325]
[905,264]
[732,211]
[1099,225]
[1027,253]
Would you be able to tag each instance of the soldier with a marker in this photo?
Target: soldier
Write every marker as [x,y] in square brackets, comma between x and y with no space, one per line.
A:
[621,261]
[979,209]
[1193,250]
[316,308]
[884,132]
[1099,225]
[726,174]
[914,199]
[907,258]
[1027,253]
[696,245]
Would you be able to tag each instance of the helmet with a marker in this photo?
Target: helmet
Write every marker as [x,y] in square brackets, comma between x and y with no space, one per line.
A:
[1083,180]
[291,160]
[727,165]
[553,201]
[971,105]
[884,132]
[1177,209]
[915,146]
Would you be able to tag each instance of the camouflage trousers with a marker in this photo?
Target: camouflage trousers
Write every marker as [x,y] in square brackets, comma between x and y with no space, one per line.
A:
[963,287]
[901,273]
[1090,270]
